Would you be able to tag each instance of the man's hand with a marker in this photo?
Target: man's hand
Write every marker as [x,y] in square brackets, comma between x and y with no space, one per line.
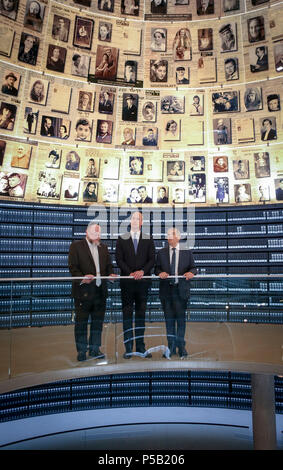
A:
[188,275]
[87,279]
[113,275]
[137,275]
[163,275]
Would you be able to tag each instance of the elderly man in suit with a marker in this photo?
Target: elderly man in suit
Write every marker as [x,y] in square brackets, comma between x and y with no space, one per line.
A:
[175,260]
[89,258]
[135,256]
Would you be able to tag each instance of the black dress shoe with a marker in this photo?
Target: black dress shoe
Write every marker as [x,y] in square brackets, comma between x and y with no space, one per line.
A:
[96,354]
[81,356]
[182,352]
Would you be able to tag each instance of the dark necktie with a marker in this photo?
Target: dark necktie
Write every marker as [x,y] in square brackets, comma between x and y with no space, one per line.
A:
[135,243]
[173,266]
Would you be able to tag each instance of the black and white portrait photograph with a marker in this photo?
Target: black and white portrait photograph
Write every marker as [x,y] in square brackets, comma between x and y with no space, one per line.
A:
[241,169]
[176,170]
[130,7]
[30,120]
[60,28]
[258,59]
[56,58]
[92,167]
[182,45]
[106,5]
[171,104]
[53,159]
[90,190]
[159,70]
[172,130]
[130,107]
[205,7]
[158,39]
[178,196]
[221,186]
[150,136]
[80,65]
[196,105]
[110,192]
[256,30]
[158,7]
[263,192]
[9,8]
[83,130]
[278,56]
[20,156]
[268,129]
[104,131]
[86,101]
[182,75]
[70,188]
[136,166]
[222,131]
[49,185]
[197,187]
[242,192]
[83,32]
[13,184]
[38,91]
[149,111]
[130,71]
[162,194]
[28,49]
[34,15]
[225,102]
[231,5]
[11,82]
[231,68]
[197,163]
[273,102]
[106,101]
[106,62]
[205,39]
[128,136]
[132,195]
[262,164]
[8,113]
[104,31]
[253,99]
[228,37]
[73,161]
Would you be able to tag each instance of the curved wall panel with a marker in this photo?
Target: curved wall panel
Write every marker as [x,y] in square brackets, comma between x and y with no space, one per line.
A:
[100,98]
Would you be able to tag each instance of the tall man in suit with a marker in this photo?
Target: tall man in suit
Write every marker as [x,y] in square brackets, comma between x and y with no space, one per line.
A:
[174,292]
[89,258]
[135,256]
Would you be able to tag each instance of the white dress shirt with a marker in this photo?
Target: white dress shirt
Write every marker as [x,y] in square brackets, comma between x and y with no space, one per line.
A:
[95,255]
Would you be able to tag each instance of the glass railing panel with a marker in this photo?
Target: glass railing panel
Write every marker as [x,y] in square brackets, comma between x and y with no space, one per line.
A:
[41,334]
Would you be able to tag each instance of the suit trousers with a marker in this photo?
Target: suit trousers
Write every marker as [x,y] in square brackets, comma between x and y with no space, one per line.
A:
[174,308]
[134,295]
[95,310]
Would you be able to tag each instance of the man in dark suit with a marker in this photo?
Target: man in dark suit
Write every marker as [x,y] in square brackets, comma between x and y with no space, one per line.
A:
[89,258]
[174,292]
[135,256]
[130,110]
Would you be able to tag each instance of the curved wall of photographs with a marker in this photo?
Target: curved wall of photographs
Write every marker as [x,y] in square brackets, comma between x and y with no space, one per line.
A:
[129,102]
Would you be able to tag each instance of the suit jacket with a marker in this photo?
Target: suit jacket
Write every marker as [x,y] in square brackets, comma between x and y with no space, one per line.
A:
[81,263]
[186,264]
[128,261]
